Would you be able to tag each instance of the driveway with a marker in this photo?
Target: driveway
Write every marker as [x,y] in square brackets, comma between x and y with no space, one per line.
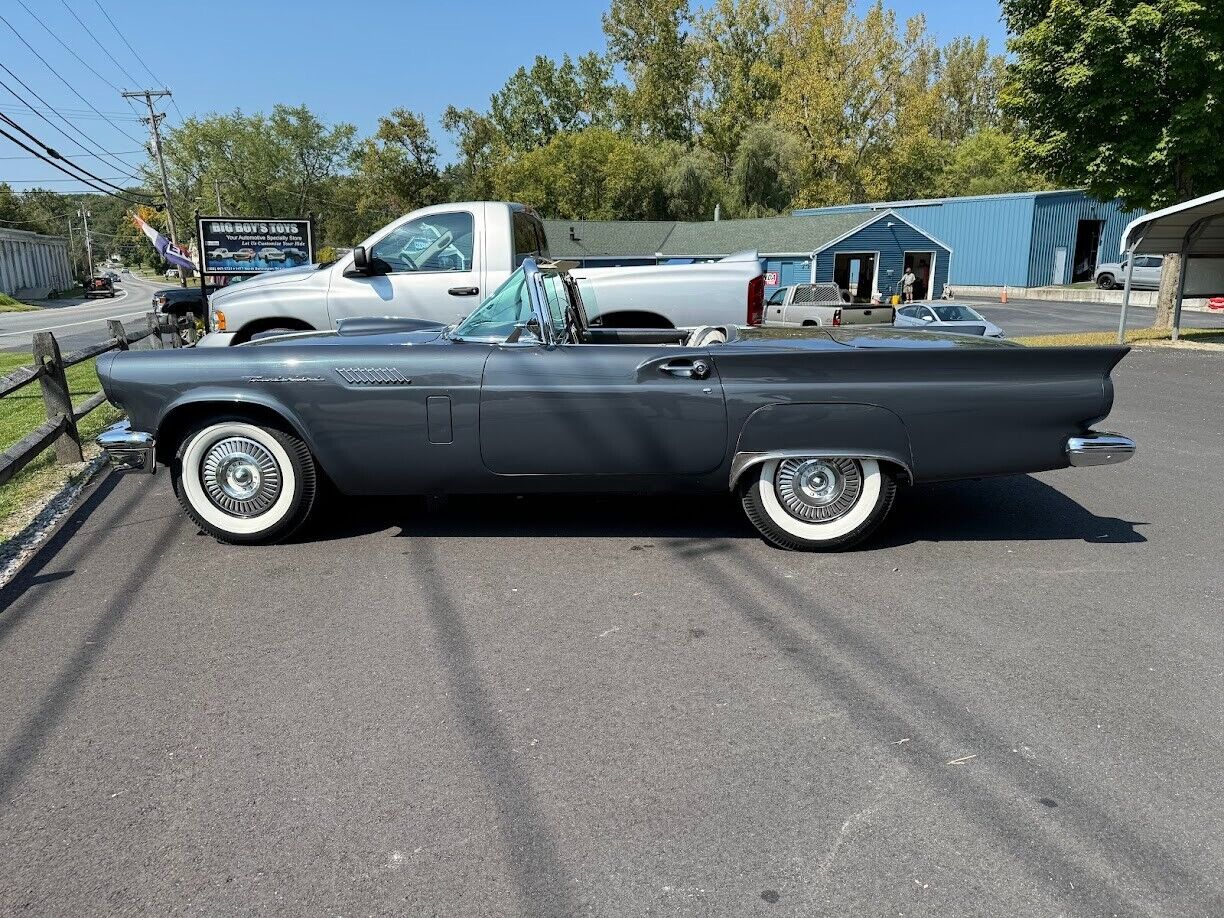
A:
[1007,704]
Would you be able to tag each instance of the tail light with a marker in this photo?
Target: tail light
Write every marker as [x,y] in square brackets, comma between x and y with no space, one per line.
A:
[837,317]
[756,300]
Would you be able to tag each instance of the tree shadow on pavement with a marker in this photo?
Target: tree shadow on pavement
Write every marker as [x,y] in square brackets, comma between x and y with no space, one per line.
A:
[527,845]
[1110,867]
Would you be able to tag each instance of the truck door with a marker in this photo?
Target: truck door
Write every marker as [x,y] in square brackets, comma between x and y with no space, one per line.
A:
[432,271]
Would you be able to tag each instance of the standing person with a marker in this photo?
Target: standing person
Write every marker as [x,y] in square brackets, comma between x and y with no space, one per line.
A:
[907,284]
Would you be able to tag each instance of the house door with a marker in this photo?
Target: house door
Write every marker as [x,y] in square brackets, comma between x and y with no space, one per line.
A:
[1059,274]
[923,266]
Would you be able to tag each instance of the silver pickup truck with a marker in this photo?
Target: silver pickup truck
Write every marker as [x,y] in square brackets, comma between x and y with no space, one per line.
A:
[822,304]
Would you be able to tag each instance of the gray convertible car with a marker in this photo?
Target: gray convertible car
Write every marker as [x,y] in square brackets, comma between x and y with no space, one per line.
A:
[812,435]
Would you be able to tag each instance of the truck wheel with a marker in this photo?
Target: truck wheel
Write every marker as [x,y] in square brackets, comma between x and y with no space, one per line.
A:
[1106,282]
[242,483]
[814,503]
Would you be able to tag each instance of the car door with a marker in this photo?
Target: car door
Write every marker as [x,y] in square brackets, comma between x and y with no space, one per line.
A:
[601,409]
[774,306]
[431,271]
[1147,271]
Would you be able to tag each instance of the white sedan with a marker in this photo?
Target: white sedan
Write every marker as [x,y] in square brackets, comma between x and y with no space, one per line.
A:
[948,317]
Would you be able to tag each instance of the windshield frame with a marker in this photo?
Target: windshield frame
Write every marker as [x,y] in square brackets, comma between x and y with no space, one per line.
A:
[549,335]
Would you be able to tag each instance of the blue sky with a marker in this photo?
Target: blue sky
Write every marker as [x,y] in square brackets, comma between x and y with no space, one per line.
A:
[348,62]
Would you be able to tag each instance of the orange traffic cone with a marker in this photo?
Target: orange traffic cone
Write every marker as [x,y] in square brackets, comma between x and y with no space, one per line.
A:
[1003,295]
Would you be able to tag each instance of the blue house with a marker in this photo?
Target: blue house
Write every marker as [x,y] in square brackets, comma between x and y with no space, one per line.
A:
[1030,239]
[864,252]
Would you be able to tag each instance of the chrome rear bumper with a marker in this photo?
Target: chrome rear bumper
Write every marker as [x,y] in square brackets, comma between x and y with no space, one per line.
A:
[129,449]
[1094,448]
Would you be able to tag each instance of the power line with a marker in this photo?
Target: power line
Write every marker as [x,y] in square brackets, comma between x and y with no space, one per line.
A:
[64,81]
[53,163]
[54,154]
[65,46]
[139,59]
[70,155]
[96,146]
[105,50]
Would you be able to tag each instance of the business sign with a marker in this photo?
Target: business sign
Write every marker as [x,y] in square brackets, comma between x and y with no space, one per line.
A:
[229,245]
[771,278]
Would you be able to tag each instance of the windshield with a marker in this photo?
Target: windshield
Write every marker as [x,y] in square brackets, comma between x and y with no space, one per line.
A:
[509,308]
[956,313]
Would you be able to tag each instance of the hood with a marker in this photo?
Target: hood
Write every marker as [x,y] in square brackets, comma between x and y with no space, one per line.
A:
[270,279]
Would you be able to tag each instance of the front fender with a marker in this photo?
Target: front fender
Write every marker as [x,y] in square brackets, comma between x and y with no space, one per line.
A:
[223,398]
[817,429]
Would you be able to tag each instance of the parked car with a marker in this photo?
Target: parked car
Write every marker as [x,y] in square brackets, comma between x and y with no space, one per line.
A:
[179,302]
[270,253]
[955,317]
[99,286]
[171,272]
[244,254]
[812,435]
[821,304]
[429,265]
[1146,276]
[220,253]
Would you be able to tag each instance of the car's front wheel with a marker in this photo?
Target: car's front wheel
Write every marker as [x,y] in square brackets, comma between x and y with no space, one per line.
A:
[243,483]
[1106,282]
[815,503]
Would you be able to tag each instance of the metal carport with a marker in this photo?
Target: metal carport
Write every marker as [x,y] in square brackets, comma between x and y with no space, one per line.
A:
[1195,229]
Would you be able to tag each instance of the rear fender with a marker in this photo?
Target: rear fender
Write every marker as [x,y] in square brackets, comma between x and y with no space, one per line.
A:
[852,431]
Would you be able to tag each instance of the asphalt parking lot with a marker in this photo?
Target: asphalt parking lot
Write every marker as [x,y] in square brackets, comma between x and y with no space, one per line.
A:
[1008,703]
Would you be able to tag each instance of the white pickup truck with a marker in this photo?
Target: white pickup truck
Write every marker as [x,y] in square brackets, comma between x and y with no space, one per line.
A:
[439,262]
[822,304]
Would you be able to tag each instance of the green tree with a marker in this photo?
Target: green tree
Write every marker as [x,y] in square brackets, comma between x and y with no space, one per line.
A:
[1121,96]
[765,174]
[652,40]
[539,102]
[397,168]
[480,149]
[988,162]
[594,174]
[694,185]
[280,165]
[742,70]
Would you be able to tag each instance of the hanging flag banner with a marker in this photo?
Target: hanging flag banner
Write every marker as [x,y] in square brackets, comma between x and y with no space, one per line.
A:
[175,254]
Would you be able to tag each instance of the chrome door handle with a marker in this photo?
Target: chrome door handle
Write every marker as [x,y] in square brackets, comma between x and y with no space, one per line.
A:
[686,369]
[463,291]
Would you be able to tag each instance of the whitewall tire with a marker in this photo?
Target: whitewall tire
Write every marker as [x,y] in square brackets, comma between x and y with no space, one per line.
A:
[244,483]
[815,503]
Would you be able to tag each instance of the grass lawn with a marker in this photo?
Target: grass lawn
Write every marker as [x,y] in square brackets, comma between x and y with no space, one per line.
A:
[20,413]
[1134,336]
[8,304]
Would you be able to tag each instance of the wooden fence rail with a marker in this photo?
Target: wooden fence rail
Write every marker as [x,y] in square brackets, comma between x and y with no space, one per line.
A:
[60,430]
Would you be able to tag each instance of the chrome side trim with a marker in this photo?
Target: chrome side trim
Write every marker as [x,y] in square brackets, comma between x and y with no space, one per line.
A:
[745,460]
[129,449]
[1099,448]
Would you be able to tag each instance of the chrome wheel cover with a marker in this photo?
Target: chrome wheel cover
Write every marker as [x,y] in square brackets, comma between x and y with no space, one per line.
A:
[240,477]
[818,490]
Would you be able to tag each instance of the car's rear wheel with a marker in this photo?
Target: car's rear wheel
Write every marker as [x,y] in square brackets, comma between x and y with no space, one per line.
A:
[1106,282]
[243,483]
[815,503]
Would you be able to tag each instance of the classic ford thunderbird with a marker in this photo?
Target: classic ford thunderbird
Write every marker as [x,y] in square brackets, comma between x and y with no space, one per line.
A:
[812,435]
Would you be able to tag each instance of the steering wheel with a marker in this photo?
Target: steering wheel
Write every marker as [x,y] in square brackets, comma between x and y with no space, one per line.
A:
[442,242]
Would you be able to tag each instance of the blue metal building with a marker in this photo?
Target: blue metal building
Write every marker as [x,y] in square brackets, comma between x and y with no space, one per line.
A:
[1029,239]
[863,252]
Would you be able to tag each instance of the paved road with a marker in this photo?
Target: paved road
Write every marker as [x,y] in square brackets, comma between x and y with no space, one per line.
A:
[1008,704]
[1041,317]
[79,324]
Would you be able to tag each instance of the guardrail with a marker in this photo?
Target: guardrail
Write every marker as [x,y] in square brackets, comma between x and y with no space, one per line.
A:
[49,371]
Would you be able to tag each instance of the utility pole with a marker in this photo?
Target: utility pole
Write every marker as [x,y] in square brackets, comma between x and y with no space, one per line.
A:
[217,188]
[84,215]
[153,121]
[71,248]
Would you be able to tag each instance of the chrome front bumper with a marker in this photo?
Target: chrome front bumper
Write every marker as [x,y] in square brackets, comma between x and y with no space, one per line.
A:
[129,449]
[1094,448]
